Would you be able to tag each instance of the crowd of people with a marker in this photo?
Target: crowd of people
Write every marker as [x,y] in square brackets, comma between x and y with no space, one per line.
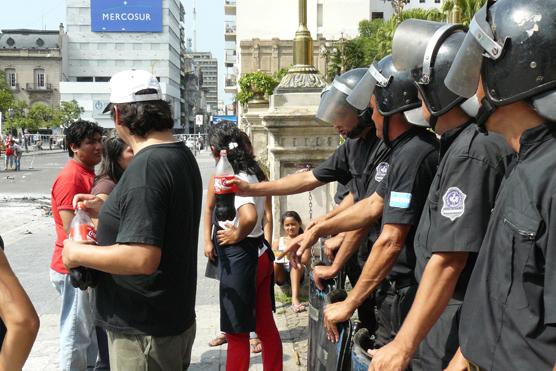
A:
[445,224]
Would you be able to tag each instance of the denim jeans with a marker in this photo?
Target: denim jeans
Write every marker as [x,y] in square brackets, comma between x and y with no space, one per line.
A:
[78,345]
[17,163]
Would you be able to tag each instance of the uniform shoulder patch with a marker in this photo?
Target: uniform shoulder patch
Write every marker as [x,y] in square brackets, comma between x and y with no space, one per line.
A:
[381,171]
[401,200]
[453,203]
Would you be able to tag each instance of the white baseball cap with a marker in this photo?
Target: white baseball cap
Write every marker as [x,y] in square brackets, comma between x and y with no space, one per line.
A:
[125,84]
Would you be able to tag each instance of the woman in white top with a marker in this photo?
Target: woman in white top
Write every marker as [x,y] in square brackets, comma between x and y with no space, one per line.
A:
[291,224]
[245,265]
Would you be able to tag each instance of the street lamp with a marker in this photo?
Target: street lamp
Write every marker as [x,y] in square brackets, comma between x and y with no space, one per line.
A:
[11,115]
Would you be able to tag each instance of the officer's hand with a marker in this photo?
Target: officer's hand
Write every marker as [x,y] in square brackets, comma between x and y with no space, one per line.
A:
[291,251]
[228,236]
[210,251]
[310,237]
[458,362]
[316,221]
[91,202]
[243,188]
[336,313]
[322,273]
[332,245]
[391,357]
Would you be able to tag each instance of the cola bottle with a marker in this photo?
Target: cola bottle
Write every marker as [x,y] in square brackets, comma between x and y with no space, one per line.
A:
[82,230]
[225,194]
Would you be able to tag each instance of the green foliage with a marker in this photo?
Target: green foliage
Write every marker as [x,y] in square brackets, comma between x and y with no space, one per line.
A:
[69,112]
[468,8]
[278,75]
[373,43]
[255,85]
[6,96]
[40,116]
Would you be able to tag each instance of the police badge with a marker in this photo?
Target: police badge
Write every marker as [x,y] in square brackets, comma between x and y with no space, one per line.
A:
[453,203]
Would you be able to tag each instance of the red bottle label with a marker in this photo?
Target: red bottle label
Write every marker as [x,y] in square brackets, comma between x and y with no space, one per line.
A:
[220,186]
[83,233]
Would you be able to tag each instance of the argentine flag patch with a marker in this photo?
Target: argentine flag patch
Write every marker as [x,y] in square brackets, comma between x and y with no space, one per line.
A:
[400,200]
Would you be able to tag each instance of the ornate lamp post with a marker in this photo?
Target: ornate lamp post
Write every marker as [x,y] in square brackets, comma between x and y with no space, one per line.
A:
[302,75]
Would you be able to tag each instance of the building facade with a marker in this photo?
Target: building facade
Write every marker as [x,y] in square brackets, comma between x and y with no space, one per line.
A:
[105,38]
[32,61]
[209,78]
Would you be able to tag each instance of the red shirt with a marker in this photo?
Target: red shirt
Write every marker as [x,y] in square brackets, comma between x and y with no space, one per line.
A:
[73,179]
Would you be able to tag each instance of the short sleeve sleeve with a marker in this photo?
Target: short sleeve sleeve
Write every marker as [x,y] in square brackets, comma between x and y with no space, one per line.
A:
[466,198]
[239,201]
[405,188]
[550,267]
[334,168]
[63,192]
[143,216]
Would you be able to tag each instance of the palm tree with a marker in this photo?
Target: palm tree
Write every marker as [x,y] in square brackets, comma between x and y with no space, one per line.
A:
[468,9]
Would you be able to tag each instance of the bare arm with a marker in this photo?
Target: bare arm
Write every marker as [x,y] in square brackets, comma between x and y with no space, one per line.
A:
[19,316]
[66,216]
[288,185]
[125,259]
[435,291]
[207,220]
[247,215]
[379,263]
[267,220]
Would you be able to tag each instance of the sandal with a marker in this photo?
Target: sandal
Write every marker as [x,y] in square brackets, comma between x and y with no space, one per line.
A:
[217,341]
[298,308]
[256,346]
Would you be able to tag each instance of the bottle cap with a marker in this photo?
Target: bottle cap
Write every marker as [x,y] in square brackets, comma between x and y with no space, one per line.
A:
[223,152]
[80,205]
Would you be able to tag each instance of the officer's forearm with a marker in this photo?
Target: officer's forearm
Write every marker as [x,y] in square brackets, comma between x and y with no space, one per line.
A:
[435,291]
[382,258]
[349,246]
[347,202]
[288,185]
[363,213]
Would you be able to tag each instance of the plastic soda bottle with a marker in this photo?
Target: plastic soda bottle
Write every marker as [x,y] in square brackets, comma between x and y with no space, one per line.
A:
[225,194]
[82,230]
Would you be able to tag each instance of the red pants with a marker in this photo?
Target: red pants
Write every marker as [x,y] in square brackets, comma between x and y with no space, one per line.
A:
[238,344]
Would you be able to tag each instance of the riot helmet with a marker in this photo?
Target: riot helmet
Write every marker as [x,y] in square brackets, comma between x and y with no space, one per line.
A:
[333,106]
[427,49]
[510,44]
[394,92]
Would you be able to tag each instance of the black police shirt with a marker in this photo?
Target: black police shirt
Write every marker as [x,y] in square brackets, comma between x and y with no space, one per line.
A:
[157,202]
[405,187]
[461,197]
[354,159]
[508,319]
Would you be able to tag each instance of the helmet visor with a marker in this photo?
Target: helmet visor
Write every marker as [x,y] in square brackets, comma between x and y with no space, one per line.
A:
[464,74]
[361,95]
[415,116]
[333,106]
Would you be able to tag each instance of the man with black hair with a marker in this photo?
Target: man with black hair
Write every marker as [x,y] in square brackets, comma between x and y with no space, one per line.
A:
[147,236]
[78,348]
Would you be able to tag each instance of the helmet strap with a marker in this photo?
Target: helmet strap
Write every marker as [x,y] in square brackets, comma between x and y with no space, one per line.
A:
[386,130]
[485,111]
[364,122]
[432,121]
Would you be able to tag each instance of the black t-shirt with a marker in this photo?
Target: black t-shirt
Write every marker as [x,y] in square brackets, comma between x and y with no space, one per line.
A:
[461,197]
[508,319]
[158,202]
[405,187]
[353,161]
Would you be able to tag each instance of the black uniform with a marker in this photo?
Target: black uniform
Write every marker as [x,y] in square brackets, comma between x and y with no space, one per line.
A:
[413,163]
[454,219]
[508,319]
[353,164]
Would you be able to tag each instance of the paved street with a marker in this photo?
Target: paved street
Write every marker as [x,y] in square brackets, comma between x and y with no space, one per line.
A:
[28,232]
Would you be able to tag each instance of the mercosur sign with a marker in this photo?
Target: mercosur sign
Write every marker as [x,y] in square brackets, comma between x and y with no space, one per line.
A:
[126,15]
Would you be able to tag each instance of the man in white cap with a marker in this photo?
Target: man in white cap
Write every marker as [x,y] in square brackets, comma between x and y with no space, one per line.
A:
[147,236]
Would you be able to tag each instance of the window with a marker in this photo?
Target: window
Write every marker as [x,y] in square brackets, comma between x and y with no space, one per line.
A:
[84,79]
[377,15]
[437,1]
[11,78]
[421,1]
[40,82]
[102,78]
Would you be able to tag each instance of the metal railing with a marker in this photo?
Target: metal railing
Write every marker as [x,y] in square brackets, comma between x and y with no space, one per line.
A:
[37,87]
[195,142]
[230,27]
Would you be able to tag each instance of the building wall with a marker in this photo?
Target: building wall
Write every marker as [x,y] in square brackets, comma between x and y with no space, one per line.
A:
[424,4]
[98,55]
[209,77]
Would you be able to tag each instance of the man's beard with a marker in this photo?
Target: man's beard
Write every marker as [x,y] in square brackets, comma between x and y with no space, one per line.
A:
[356,132]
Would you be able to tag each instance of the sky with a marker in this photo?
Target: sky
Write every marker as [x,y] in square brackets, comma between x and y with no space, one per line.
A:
[48,14]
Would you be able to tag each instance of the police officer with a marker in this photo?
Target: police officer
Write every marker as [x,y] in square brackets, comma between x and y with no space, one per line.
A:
[399,199]
[353,162]
[457,209]
[508,319]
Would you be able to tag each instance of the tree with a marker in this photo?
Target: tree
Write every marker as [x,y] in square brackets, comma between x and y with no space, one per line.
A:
[69,112]
[40,116]
[468,9]
[6,96]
